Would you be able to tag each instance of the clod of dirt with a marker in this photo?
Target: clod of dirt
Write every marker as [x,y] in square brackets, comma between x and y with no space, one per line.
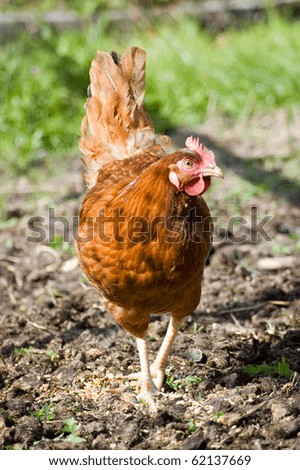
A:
[196,441]
[281,410]
[275,293]
[288,427]
[28,429]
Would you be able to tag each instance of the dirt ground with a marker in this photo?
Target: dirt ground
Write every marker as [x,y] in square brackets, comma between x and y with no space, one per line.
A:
[61,351]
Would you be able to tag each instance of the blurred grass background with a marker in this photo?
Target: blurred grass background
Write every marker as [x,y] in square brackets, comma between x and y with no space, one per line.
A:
[191,73]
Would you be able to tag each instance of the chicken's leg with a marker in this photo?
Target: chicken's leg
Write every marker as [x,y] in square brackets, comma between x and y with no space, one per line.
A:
[147,387]
[150,379]
[159,365]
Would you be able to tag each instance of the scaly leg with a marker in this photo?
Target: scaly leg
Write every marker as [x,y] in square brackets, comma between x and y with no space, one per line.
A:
[159,365]
[157,369]
[147,387]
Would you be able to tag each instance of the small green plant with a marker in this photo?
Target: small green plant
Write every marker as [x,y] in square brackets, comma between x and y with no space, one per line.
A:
[152,338]
[192,425]
[46,413]
[177,384]
[141,401]
[193,380]
[280,249]
[51,354]
[217,415]
[55,294]
[24,351]
[14,447]
[172,382]
[84,280]
[59,244]
[282,369]
[69,432]
[197,328]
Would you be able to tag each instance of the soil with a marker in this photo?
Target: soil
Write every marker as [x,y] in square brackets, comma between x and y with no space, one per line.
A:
[62,353]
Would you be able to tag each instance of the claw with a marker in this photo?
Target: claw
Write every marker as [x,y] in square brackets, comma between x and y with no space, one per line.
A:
[133,376]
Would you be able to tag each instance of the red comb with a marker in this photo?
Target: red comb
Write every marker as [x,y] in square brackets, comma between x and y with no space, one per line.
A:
[193,144]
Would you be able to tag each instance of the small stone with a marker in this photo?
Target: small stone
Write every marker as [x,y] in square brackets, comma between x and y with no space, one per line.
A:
[69,265]
[195,355]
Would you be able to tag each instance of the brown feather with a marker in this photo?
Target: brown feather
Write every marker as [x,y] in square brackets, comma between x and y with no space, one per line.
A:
[134,70]
[116,125]
[146,270]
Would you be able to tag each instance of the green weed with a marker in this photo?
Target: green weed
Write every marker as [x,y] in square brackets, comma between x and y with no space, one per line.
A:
[84,280]
[24,351]
[46,413]
[282,369]
[197,328]
[280,249]
[69,432]
[54,295]
[177,384]
[152,338]
[192,425]
[51,354]
[217,415]
[58,243]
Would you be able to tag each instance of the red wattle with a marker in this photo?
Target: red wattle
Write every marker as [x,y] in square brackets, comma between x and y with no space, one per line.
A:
[197,186]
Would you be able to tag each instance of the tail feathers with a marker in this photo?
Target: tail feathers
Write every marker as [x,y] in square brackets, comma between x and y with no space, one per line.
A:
[134,70]
[116,125]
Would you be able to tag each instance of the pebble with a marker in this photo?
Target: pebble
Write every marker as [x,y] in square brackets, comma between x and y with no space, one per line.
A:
[29,428]
[195,355]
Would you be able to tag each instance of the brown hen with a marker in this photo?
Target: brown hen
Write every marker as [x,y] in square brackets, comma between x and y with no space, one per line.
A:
[144,230]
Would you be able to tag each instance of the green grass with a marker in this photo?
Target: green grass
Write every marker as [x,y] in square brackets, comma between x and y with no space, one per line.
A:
[24,351]
[177,384]
[51,354]
[282,369]
[192,425]
[217,415]
[46,413]
[85,8]
[189,74]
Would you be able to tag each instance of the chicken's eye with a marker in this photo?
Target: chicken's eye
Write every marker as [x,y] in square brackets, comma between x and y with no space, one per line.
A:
[188,163]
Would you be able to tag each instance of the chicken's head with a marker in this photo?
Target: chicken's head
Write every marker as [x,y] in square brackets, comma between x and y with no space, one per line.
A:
[193,170]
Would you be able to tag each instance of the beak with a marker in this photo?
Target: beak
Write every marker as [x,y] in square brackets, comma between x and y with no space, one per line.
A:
[213,171]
